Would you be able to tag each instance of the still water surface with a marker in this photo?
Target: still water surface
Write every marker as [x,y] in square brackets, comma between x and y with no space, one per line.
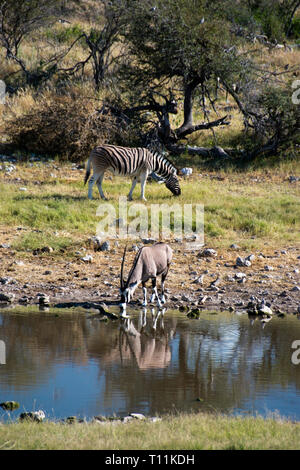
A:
[71,364]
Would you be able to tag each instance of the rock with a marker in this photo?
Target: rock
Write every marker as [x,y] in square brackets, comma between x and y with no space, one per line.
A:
[137,416]
[4,245]
[37,416]
[10,405]
[87,259]
[242,262]
[44,299]
[127,419]
[250,258]
[24,299]
[95,242]
[295,289]
[5,280]
[264,309]
[240,275]
[185,298]
[105,246]
[71,420]
[18,263]
[7,297]
[146,241]
[47,249]
[268,268]
[186,171]
[202,299]
[209,252]
[22,189]
[234,246]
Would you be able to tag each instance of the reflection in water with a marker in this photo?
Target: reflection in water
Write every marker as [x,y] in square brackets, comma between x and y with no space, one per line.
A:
[148,344]
[153,362]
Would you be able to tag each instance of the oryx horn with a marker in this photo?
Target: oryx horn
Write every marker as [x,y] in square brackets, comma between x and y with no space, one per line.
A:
[122,267]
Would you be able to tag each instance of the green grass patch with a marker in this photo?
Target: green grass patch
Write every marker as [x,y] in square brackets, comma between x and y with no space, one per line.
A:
[60,214]
[184,432]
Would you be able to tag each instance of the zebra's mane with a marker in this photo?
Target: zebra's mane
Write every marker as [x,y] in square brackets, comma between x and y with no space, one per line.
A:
[165,159]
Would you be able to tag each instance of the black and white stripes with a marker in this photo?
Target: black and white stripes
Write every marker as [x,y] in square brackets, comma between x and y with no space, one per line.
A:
[137,163]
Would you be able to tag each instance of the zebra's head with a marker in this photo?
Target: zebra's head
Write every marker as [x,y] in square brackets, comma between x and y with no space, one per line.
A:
[172,183]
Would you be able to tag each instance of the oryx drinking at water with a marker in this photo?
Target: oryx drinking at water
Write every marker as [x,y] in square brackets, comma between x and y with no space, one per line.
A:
[149,263]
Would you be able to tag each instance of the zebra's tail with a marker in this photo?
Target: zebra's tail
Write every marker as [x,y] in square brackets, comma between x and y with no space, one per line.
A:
[88,171]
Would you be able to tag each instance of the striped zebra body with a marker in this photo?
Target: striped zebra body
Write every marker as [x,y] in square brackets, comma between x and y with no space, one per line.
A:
[136,163]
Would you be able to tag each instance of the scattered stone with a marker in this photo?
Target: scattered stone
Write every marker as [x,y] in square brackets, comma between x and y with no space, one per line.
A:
[208,252]
[71,420]
[186,171]
[44,299]
[87,258]
[268,268]
[234,246]
[127,419]
[95,242]
[22,189]
[10,405]
[240,275]
[18,263]
[24,299]
[47,249]
[4,245]
[242,262]
[295,289]
[185,298]
[5,280]
[264,309]
[47,272]
[37,416]
[105,246]
[146,241]
[137,416]
[7,297]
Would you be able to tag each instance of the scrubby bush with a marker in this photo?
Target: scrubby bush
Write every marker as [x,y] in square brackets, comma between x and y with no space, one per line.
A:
[68,125]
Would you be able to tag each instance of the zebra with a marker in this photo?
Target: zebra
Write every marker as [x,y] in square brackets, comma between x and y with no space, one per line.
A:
[137,163]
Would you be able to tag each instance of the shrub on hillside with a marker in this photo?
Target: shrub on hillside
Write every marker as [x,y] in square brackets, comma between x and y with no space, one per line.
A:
[67,125]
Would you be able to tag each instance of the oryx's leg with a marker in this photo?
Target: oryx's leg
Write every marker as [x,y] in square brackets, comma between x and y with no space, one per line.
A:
[155,293]
[134,181]
[163,278]
[143,177]
[99,184]
[145,294]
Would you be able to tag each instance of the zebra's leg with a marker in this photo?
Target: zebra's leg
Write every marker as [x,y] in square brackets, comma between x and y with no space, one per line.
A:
[91,184]
[155,293]
[134,181]
[143,177]
[99,184]
[145,294]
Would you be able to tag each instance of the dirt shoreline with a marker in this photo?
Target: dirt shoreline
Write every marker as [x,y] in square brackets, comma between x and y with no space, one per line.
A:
[273,277]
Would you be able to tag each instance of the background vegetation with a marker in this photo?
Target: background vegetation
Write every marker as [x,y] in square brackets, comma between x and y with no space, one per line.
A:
[212,79]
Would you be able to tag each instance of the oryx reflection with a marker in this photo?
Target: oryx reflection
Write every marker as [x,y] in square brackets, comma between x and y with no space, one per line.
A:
[147,342]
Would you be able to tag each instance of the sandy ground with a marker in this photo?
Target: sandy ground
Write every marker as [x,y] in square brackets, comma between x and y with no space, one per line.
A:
[274,275]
